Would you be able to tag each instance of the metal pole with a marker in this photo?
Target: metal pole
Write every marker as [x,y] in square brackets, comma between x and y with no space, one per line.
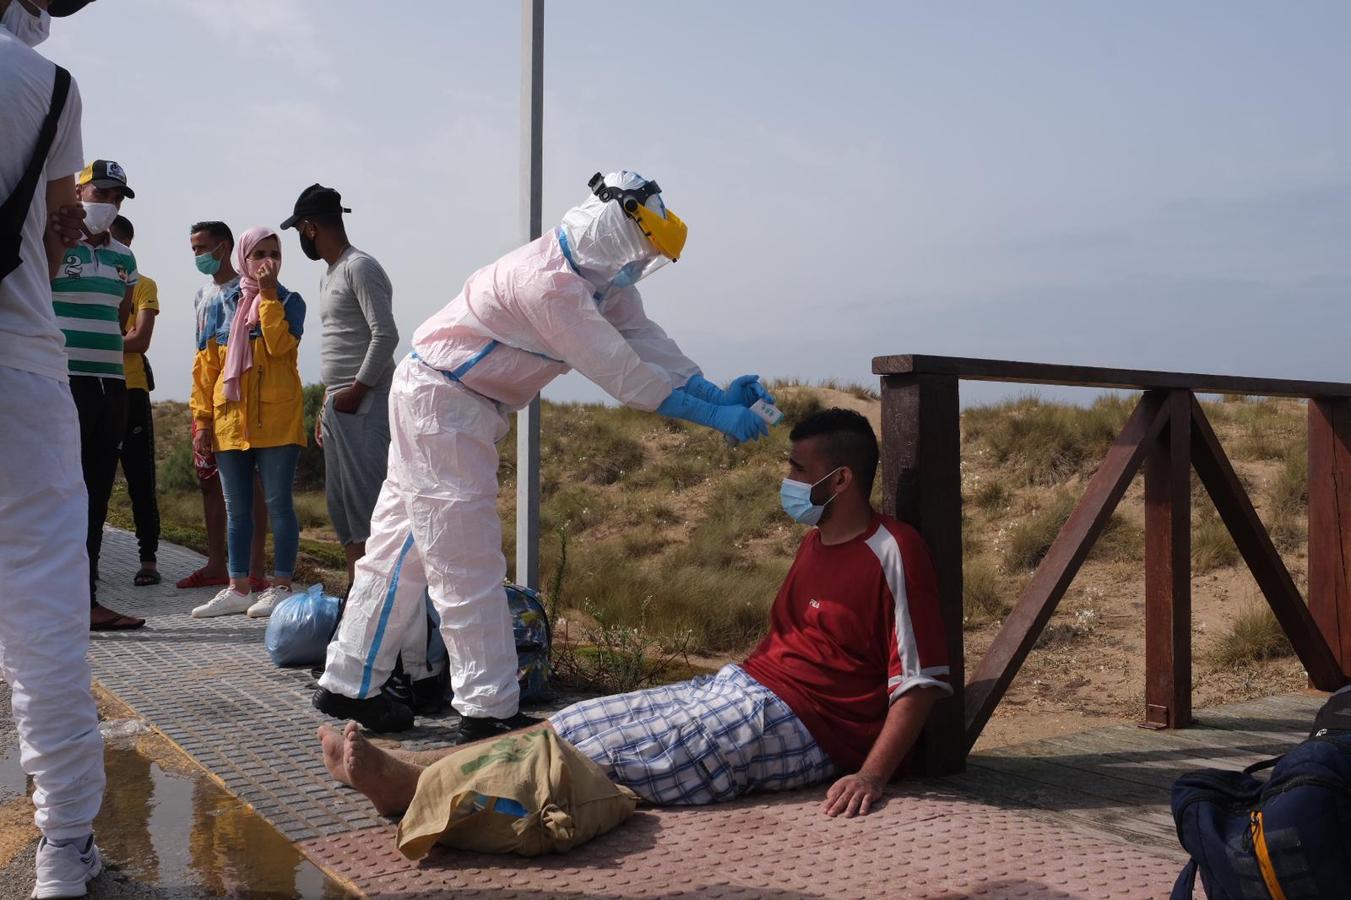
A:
[532,171]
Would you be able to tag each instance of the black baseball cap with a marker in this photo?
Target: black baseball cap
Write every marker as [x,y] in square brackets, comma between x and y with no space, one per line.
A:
[59,8]
[316,200]
[105,173]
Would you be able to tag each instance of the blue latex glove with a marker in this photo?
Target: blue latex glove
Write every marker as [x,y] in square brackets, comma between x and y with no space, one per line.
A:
[743,391]
[737,422]
[747,389]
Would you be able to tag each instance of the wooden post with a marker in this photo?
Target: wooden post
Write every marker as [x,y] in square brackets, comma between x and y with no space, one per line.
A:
[921,479]
[1330,524]
[1168,659]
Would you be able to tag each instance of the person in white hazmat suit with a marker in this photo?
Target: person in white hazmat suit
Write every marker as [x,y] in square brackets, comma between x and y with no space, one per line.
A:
[564,301]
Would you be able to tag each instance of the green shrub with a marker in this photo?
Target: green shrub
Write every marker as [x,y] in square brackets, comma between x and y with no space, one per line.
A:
[310,467]
[1254,635]
[177,472]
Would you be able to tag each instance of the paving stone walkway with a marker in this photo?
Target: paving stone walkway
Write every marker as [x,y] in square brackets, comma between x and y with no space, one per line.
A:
[1006,831]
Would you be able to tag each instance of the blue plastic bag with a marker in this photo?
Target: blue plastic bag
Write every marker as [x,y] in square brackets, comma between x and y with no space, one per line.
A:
[300,628]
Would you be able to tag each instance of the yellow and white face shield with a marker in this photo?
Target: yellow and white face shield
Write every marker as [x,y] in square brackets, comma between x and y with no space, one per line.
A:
[623,232]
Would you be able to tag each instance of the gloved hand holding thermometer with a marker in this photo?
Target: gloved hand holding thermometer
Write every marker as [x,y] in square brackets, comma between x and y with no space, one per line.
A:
[743,391]
[737,422]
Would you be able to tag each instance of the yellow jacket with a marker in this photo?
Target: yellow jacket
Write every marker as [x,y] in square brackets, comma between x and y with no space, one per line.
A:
[270,411]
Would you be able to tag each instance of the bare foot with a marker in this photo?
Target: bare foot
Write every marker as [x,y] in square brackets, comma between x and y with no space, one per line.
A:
[389,783]
[332,740]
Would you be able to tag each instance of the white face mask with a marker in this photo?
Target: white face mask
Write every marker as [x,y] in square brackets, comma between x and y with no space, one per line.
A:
[98,216]
[25,26]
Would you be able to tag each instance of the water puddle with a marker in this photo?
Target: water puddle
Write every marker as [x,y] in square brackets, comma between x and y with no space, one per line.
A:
[165,825]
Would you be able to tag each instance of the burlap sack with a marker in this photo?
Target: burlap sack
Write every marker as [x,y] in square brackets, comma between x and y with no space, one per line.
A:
[565,797]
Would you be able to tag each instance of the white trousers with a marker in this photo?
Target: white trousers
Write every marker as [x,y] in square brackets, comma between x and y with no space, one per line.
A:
[435,528]
[44,601]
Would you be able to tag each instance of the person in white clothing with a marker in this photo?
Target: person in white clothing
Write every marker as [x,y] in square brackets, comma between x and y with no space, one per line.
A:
[564,301]
[44,569]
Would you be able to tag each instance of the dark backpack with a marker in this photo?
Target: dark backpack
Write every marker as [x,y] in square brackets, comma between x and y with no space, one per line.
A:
[1288,837]
[14,211]
[530,627]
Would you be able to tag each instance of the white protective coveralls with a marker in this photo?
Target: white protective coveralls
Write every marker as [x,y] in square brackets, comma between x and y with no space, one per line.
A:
[44,601]
[564,301]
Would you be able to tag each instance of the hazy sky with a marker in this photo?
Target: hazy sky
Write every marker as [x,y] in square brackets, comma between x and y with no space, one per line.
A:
[1153,185]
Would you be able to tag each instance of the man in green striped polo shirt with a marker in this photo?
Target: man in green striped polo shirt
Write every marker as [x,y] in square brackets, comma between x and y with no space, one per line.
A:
[91,295]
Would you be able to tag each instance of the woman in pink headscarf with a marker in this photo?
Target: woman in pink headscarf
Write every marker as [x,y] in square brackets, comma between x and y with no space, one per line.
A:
[252,385]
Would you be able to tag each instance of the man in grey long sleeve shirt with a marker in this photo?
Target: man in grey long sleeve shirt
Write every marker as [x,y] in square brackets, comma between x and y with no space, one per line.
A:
[359,337]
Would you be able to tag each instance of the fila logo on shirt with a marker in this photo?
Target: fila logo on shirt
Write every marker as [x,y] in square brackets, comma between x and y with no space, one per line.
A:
[814,603]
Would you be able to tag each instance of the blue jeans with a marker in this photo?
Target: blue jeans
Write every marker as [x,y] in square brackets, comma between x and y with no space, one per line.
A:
[276,467]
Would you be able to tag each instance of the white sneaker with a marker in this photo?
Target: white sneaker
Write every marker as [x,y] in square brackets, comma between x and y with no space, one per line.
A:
[267,601]
[66,871]
[227,603]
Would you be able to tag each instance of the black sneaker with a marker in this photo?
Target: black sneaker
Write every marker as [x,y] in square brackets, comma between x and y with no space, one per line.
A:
[476,728]
[378,713]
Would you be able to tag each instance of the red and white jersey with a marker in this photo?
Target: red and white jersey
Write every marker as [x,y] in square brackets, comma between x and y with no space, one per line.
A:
[855,626]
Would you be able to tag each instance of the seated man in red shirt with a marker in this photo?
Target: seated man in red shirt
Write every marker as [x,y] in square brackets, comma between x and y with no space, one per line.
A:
[840,687]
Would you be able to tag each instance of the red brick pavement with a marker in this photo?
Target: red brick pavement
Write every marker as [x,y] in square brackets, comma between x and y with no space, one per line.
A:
[923,843]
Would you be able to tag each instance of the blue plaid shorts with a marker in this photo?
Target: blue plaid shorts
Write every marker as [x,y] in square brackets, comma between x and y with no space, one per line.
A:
[709,739]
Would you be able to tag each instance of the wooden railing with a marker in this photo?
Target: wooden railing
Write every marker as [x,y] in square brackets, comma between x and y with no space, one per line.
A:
[1168,435]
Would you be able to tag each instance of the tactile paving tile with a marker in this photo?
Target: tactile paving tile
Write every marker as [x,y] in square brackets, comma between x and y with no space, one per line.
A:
[208,685]
[921,843]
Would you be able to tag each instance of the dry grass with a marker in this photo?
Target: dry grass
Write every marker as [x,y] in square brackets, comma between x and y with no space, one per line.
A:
[1045,443]
[992,496]
[1290,488]
[1032,537]
[1212,546]
[1254,636]
[984,591]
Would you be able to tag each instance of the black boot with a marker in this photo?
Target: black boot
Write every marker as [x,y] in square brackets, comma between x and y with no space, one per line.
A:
[378,713]
[429,694]
[476,728]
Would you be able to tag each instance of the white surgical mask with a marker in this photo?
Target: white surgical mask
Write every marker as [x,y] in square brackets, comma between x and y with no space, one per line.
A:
[98,216]
[29,28]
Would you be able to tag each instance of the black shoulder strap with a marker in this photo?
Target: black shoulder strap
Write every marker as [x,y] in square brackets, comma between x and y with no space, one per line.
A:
[15,209]
[1185,885]
[1264,764]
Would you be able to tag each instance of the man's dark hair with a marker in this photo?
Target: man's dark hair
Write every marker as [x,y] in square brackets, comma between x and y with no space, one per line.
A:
[849,441]
[218,230]
[122,230]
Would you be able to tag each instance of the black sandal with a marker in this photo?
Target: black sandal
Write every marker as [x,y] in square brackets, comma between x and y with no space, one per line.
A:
[146,577]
